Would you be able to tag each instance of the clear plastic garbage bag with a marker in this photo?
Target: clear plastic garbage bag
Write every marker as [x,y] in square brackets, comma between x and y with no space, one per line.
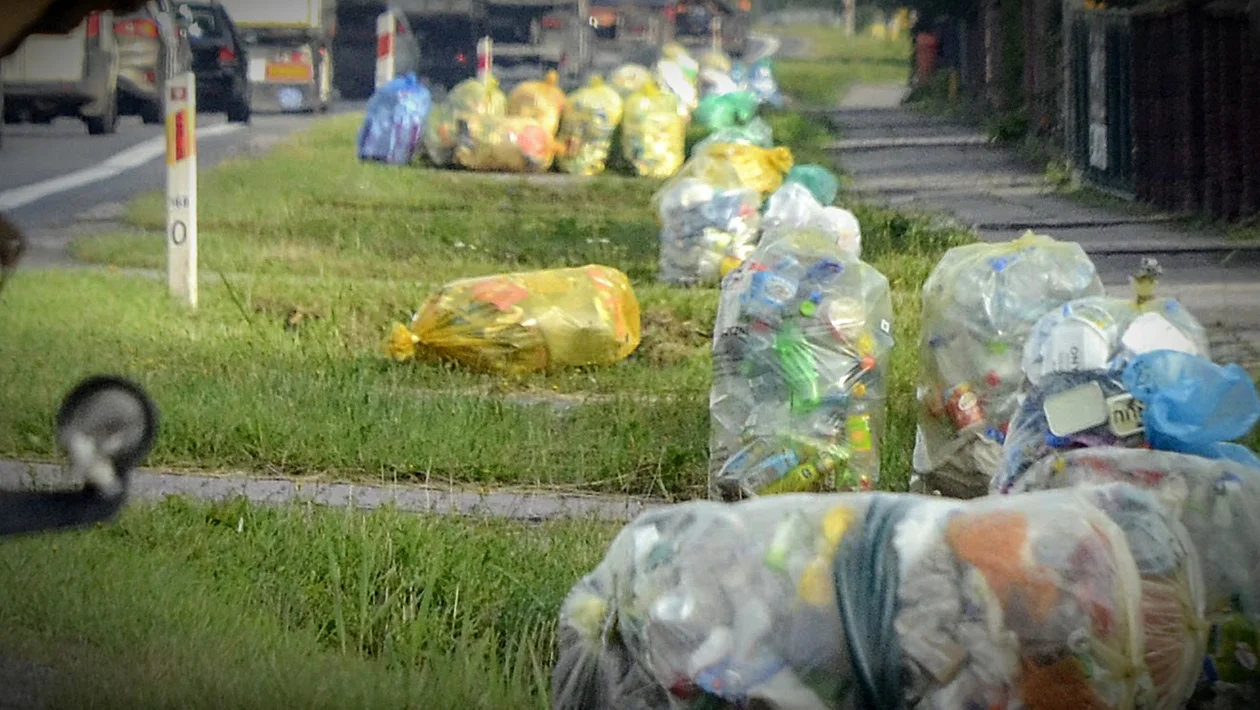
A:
[800,361]
[980,304]
[762,83]
[393,125]
[716,83]
[525,322]
[1084,598]
[673,78]
[653,134]
[1218,501]
[1100,333]
[587,126]
[793,208]
[709,224]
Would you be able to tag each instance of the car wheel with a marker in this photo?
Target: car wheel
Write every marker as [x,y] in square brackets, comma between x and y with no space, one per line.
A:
[238,111]
[107,122]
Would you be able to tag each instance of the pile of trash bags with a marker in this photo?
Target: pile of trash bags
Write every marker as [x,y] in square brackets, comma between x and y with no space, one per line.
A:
[800,359]
[525,322]
[538,128]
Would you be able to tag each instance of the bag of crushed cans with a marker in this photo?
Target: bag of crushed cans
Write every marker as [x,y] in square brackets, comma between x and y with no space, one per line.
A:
[525,322]
[1218,501]
[1082,598]
[653,134]
[468,104]
[756,132]
[542,101]
[514,144]
[587,126]
[980,303]
[793,207]
[800,361]
[394,122]
[761,169]
[709,223]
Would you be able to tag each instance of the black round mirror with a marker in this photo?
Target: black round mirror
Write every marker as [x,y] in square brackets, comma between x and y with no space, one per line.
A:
[106,426]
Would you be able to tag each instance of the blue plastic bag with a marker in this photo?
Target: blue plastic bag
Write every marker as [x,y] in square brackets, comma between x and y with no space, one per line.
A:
[1194,406]
[394,122]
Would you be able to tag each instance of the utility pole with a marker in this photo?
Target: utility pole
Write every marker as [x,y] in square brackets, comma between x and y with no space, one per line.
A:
[850,17]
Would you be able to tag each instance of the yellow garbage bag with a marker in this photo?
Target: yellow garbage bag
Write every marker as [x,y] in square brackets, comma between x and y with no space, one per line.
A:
[629,78]
[542,101]
[513,144]
[587,126]
[525,322]
[653,134]
[761,169]
[675,52]
[470,100]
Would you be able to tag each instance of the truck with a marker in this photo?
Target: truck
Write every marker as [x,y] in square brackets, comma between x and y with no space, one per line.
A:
[289,44]
[696,20]
[529,37]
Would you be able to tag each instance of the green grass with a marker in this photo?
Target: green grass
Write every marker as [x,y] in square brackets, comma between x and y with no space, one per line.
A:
[235,606]
[834,63]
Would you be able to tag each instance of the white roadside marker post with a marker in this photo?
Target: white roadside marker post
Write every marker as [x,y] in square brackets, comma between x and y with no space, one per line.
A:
[386,32]
[181,187]
[485,58]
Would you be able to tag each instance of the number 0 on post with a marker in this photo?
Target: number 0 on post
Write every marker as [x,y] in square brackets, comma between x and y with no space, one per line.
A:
[181,187]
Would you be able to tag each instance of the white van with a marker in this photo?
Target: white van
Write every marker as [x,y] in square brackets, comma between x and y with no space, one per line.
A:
[74,74]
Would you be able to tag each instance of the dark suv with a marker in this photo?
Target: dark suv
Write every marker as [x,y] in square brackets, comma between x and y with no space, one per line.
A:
[218,60]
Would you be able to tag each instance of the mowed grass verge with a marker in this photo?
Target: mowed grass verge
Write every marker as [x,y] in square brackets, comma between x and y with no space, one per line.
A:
[833,63]
[233,606]
[307,258]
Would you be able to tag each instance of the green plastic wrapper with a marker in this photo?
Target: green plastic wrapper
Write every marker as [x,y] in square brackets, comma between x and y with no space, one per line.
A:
[726,110]
[756,132]
[820,182]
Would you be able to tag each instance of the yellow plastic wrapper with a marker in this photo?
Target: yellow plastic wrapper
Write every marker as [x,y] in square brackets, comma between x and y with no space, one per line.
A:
[514,144]
[469,102]
[653,134]
[587,126]
[629,78]
[542,101]
[761,169]
[525,322]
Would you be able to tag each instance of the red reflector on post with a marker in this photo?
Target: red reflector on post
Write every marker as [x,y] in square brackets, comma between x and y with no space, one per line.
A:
[181,136]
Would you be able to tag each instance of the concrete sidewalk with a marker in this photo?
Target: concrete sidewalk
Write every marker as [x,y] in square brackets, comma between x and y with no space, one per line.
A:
[900,157]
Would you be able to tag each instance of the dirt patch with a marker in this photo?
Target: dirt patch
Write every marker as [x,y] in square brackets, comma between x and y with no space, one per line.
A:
[669,340]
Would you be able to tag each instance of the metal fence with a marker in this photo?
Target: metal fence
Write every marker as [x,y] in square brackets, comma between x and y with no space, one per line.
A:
[1100,106]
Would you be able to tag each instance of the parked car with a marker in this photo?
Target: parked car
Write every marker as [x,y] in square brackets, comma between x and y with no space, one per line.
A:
[142,50]
[219,60]
[73,74]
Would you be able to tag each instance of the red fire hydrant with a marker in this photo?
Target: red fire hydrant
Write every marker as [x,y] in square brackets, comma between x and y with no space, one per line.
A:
[925,46]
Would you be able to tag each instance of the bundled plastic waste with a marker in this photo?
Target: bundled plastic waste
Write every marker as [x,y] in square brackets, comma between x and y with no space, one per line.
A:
[714,60]
[1085,598]
[526,322]
[1218,501]
[709,223]
[800,357]
[587,126]
[628,79]
[756,132]
[980,304]
[726,110]
[792,208]
[821,182]
[762,83]
[505,144]
[542,101]
[471,103]
[394,123]
[716,83]
[679,73]
[761,169]
[653,134]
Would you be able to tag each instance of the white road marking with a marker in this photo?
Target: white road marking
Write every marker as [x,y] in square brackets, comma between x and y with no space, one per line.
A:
[131,158]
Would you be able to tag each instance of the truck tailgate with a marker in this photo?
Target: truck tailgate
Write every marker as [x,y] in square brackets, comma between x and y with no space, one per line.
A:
[48,58]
